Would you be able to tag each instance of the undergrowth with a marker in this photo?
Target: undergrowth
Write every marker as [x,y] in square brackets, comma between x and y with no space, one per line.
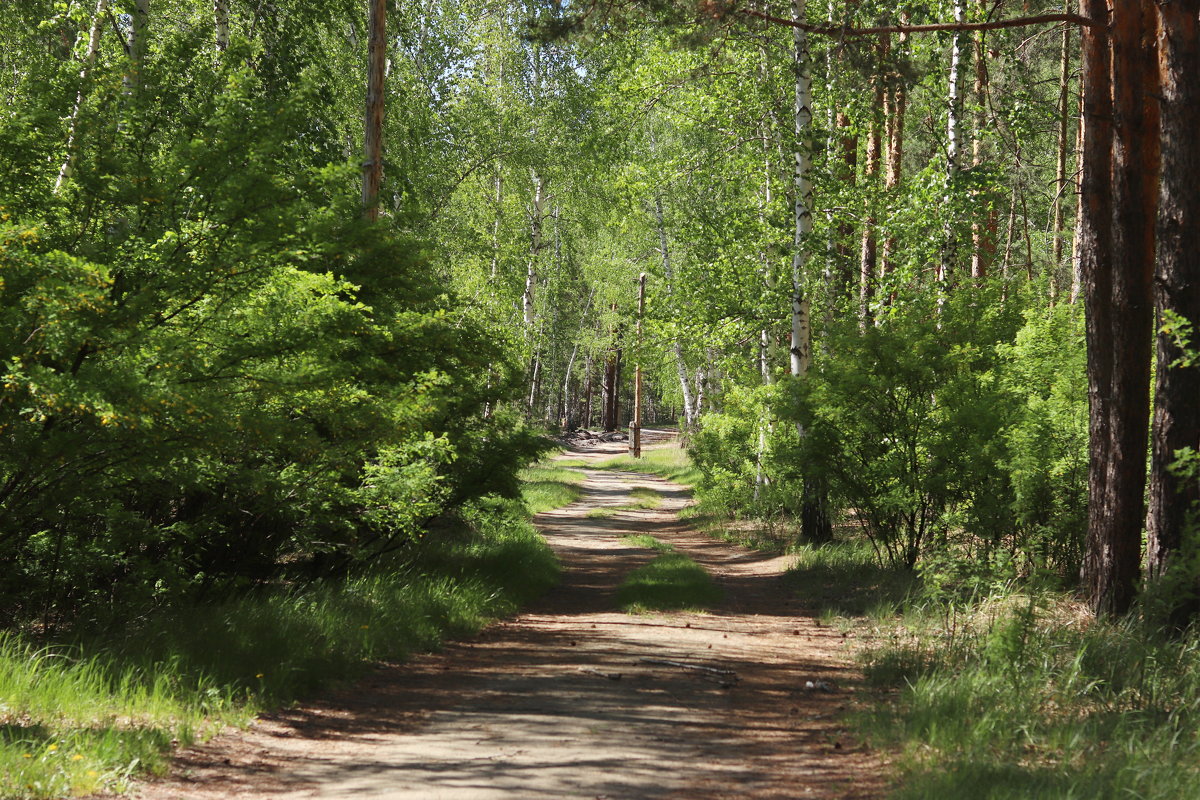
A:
[84,717]
[1028,697]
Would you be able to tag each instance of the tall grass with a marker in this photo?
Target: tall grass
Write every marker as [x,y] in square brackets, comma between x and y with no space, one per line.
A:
[549,484]
[1030,699]
[83,718]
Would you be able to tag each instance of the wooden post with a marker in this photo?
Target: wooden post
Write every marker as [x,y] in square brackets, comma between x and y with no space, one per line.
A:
[635,425]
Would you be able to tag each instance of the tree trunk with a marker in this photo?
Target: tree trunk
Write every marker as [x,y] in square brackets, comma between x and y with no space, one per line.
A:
[98,18]
[691,409]
[537,215]
[1177,292]
[896,106]
[983,235]
[221,24]
[814,516]
[1118,282]
[1064,129]
[868,254]
[373,129]
[949,246]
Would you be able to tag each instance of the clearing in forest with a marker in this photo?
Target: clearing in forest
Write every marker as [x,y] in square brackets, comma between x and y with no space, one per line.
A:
[574,698]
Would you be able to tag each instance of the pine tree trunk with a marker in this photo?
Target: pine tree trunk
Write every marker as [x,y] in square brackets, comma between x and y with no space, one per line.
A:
[983,235]
[868,254]
[1177,290]
[376,85]
[1118,284]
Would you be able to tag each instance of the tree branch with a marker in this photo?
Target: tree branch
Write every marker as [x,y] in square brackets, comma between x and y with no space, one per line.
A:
[841,30]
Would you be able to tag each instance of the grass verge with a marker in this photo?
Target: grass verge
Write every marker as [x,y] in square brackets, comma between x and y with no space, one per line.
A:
[671,582]
[642,499]
[86,718]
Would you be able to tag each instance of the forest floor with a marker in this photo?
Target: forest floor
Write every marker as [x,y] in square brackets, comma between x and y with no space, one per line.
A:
[559,702]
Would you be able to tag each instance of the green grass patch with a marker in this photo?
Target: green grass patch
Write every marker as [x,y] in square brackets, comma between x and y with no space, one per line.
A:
[86,717]
[550,484]
[648,542]
[670,462]
[671,582]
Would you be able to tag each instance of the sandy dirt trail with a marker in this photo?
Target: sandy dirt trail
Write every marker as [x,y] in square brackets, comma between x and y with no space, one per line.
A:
[559,703]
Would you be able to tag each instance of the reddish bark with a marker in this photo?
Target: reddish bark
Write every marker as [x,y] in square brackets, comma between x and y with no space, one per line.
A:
[1177,288]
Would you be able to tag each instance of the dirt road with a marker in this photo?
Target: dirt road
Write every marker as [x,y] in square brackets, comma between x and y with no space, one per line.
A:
[560,703]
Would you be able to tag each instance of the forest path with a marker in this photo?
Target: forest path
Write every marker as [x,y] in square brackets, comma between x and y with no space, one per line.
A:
[558,703]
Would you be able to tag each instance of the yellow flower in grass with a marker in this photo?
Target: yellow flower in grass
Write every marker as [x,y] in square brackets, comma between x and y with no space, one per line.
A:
[259,675]
[52,748]
[26,755]
[77,757]
[363,627]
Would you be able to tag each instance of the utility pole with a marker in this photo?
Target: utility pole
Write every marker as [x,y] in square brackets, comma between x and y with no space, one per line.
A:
[635,425]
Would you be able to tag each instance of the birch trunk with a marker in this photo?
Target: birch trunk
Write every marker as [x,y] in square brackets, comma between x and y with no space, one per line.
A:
[949,248]
[1064,124]
[68,164]
[536,218]
[690,407]
[221,24]
[814,515]
[373,127]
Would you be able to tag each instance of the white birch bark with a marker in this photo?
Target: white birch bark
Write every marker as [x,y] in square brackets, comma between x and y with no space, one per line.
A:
[952,147]
[801,341]
[536,217]
[221,24]
[690,406]
[98,17]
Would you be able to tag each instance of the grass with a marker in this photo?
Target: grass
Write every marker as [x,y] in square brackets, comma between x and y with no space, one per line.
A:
[1027,697]
[551,484]
[670,462]
[85,718]
[671,582]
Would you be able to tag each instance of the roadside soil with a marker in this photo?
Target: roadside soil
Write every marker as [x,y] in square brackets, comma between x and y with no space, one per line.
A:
[560,701]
